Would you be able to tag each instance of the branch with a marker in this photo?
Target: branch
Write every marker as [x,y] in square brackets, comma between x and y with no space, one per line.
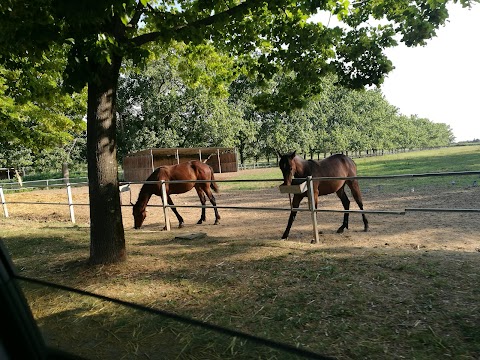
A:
[235,11]
[138,13]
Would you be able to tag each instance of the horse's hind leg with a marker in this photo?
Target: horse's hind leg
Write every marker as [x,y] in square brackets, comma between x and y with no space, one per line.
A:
[346,205]
[179,218]
[213,202]
[357,195]
[203,200]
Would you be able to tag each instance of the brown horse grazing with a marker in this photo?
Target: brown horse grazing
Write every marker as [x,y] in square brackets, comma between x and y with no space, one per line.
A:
[191,170]
[337,165]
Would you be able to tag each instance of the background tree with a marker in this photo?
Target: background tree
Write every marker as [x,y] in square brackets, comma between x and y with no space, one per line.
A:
[163,106]
[36,116]
[262,38]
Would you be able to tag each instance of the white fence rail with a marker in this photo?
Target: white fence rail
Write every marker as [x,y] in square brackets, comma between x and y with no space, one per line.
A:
[44,183]
[125,186]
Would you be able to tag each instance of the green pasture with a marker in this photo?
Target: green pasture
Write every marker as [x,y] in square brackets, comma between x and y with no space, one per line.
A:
[434,161]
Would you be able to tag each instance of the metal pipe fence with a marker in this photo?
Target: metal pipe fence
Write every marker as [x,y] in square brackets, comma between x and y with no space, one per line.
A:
[125,186]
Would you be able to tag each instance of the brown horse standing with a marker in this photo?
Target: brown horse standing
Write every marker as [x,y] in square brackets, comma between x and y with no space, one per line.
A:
[191,170]
[337,165]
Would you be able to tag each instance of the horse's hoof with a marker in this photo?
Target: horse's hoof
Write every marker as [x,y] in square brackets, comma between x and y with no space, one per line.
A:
[199,222]
[313,241]
[164,228]
[181,225]
[216,223]
[340,230]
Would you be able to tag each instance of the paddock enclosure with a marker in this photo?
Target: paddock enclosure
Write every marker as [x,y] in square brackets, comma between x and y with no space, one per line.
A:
[139,165]
[425,230]
[408,288]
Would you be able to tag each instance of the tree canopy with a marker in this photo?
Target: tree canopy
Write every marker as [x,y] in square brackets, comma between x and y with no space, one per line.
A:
[261,38]
[35,113]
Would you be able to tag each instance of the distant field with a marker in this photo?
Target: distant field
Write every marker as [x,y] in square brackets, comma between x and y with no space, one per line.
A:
[451,159]
[455,158]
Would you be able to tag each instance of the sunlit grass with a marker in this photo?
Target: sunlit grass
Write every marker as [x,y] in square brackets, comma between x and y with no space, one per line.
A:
[451,159]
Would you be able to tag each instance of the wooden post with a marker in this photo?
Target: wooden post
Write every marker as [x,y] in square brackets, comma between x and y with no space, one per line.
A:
[311,206]
[178,157]
[219,164]
[4,203]
[70,203]
[151,159]
[237,163]
[165,209]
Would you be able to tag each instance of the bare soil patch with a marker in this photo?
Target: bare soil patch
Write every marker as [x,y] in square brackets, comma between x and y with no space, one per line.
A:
[418,230]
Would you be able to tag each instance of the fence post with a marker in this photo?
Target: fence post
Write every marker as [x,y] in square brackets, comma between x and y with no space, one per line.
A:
[219,162]
[165,209]
[311,206]
[4,203]
[70,203]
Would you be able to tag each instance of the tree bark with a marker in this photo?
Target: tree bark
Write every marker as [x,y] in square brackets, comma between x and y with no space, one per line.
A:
[107,238]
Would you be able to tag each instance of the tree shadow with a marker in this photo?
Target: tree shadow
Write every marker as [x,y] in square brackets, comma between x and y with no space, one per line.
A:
[343,301]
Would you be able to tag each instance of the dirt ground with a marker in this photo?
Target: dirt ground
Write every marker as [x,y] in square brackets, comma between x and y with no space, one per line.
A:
[457,231]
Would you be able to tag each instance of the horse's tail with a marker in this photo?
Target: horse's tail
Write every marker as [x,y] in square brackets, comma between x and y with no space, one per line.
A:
[213,184]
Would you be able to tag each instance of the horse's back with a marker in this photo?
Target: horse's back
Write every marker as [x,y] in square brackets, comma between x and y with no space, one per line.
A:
[203,170]
[337,165]
[190,170]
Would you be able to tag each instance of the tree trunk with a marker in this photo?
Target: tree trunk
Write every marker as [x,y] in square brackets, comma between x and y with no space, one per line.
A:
[242,153]
[107,238]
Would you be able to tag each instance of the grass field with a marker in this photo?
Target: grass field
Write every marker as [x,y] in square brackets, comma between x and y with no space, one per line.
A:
[452,159]
[408,289]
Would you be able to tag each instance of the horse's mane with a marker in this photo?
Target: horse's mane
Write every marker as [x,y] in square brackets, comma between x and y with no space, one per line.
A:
[148,189]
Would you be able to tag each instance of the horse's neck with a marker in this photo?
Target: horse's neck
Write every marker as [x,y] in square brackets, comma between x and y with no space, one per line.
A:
[303,167]
[148,190]
[144,196]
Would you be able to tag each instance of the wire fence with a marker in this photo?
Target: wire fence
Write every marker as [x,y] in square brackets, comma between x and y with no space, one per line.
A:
[308,192]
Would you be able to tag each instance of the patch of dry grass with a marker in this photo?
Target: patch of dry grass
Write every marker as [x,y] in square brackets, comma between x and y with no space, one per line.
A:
[344,300]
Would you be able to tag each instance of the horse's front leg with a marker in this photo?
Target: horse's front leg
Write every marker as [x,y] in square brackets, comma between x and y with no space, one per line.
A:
[174,209]
[295,204]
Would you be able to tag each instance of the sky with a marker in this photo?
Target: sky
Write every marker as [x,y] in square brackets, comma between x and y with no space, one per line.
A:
[441,81]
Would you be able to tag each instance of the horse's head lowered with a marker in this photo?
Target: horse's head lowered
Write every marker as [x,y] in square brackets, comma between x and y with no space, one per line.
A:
[139,215]
[288,167]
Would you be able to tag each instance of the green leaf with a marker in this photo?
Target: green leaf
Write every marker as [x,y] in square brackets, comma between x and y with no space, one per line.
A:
[125,19]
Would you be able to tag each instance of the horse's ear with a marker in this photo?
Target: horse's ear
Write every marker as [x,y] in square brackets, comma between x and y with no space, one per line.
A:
[279,153]
[293,154]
